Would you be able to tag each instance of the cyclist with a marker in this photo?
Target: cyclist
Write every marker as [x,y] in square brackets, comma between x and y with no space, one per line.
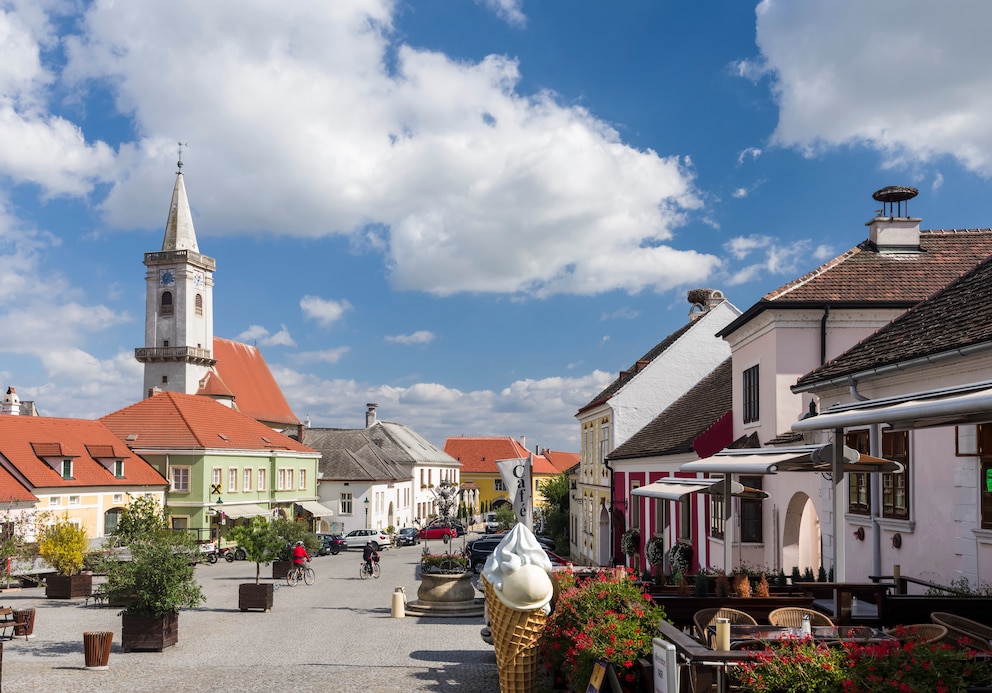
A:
[370,555]
[299,555]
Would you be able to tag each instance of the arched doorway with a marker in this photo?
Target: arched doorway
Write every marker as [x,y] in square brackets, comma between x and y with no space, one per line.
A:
[110,520]
[801,541]
[605,549]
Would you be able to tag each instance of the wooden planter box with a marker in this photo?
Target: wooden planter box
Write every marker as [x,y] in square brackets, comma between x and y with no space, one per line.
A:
[680,610]
[149,633]
[280,569]
[252,596]
[68,586]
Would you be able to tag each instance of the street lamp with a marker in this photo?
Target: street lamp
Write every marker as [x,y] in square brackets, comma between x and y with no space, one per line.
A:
[366,512]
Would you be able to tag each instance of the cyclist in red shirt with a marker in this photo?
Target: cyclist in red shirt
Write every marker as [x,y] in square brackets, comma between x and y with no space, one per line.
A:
[299,554]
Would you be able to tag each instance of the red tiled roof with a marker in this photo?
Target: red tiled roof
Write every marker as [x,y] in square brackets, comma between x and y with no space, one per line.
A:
[13,490]
[562,461]
[24,440]
[194,422]
[213,385]
[863,276]
[256,393]
[479,455]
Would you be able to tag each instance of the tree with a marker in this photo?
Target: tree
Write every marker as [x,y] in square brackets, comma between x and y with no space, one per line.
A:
[260,541]
[63,544]
[290,532]
[556,492]
[505,516]
[141,517]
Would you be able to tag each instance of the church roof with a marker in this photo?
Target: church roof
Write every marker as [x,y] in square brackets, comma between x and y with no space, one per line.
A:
[179,232]
[26,440]
[192,422]
[256,393]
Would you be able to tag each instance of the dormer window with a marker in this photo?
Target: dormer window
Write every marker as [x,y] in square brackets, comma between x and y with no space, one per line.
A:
[66,469]
[119,469]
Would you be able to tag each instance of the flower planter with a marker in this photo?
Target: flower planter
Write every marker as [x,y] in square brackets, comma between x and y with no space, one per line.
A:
[69,586]
[445,595]
[280,569]
[151,633]
[252,596]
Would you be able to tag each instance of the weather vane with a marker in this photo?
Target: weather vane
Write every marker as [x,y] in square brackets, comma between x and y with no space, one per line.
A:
[180,162]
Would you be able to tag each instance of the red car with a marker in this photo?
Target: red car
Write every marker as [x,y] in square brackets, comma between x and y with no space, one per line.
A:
[441,532]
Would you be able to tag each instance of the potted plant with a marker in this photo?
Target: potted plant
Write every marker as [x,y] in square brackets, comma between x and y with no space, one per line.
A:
[654,552]
[155,582]
[63,546]
[290,532]
[261,545]
[630,541]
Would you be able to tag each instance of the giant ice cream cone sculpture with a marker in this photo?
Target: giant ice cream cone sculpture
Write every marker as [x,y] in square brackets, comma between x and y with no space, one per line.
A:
[518,590]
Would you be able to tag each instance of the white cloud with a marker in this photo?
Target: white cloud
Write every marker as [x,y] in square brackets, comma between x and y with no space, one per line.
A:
[622,313]
[436,411]
[323,311]
[904,77]
[748,153]
[418,337]
[323,356]
[463,182]
[261,336]
[739,193]
[742,246]
[507,10]
[778,258]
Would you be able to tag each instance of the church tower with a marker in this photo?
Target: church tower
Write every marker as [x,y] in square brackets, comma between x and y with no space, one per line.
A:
[179,315]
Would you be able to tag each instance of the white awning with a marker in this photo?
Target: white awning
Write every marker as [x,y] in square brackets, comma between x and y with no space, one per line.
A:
[316,509]
[974,407]
[243,510]
[678,489]
[805,458]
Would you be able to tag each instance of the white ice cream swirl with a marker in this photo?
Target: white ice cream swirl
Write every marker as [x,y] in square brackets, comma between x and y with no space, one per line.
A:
[518,570]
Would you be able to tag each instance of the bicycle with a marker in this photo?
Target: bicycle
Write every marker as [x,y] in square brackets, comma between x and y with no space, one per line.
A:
[366,572]
[300,572]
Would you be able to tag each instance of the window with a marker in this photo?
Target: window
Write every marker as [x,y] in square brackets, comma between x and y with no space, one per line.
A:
[498,485]
[750,399]
[303,479]
[248,473]
[198,301]
[180,479]
[119,469]
[261,480]
[284,480]
[73,500]
[635,506]
[118,498]
[751,527]
[717,521]
[66,469]
[346,503]
[110,520]
[55,500]
[895,487]
[215,479]
[165,308]
[685,521]
[232,480]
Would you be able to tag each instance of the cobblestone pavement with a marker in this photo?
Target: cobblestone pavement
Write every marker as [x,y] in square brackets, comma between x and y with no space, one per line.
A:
[336,635]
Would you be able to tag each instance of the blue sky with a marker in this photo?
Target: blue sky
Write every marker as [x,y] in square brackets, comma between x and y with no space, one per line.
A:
[472,213]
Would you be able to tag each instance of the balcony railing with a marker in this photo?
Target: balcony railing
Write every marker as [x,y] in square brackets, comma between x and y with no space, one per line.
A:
[191,354]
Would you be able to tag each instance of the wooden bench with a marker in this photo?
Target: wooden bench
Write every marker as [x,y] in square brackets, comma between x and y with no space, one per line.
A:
[8,629]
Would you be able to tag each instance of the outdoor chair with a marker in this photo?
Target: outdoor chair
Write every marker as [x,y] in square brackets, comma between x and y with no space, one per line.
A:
[792,617]
[919,632]
[979,635]
[704,618]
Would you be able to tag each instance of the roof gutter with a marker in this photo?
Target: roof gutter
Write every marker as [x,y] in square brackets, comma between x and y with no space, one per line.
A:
[889,369]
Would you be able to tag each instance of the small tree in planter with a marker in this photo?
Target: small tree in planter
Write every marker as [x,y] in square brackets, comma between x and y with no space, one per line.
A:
[63,545]
[155,583]
[290,532]
[261,545]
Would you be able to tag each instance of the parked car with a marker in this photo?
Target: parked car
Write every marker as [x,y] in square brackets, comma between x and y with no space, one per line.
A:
[492,525]
[331,543]
[407,536]
[546,542]
[480,550]
[442,532]
[358,538]
[459,528]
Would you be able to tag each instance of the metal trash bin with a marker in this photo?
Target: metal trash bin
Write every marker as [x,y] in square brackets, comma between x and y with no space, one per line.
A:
[96,647]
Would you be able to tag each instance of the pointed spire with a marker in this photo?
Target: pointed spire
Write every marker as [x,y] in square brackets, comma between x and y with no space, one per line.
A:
[179,232]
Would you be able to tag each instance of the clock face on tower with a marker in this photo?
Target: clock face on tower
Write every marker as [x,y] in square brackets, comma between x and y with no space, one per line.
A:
[166,277]
[198,280]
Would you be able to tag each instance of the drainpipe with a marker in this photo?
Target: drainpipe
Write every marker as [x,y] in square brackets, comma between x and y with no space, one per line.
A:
[875,450]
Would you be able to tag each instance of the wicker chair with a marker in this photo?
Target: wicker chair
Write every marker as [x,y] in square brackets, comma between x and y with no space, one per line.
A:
[919,632]
[705,618]
[978,635]
[792,617]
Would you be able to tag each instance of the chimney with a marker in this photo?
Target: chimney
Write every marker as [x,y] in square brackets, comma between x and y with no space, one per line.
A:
[892,229]
[370,414]
[523,442]
[703,301]
[11,403]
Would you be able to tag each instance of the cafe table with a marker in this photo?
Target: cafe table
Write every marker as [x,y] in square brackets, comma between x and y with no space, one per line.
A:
[742,635]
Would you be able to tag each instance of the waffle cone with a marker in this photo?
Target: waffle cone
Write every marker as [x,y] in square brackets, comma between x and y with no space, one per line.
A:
[517,639]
